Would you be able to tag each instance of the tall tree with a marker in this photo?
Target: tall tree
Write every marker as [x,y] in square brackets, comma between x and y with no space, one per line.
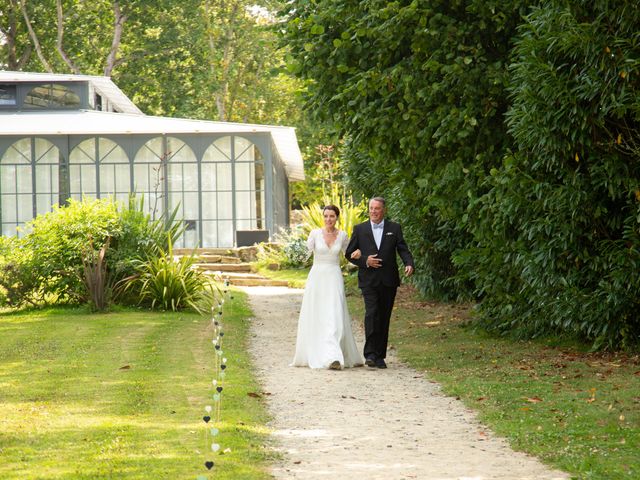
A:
[558,234]
[418,89]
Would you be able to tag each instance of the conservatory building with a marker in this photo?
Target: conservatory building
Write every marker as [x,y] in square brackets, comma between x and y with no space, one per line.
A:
[75,136]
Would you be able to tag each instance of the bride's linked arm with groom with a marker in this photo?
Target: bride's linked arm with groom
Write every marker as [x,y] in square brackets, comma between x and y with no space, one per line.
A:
[324,338]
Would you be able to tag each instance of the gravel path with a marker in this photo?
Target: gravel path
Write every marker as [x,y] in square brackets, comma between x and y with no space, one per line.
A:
[365,423]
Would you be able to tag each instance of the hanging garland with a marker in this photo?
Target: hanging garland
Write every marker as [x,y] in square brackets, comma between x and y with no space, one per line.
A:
[213,413]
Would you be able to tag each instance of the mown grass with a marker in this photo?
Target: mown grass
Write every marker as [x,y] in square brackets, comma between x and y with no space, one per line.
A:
[575,410]
[122,395]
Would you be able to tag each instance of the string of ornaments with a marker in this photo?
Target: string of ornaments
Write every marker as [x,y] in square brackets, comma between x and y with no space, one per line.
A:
[213,412]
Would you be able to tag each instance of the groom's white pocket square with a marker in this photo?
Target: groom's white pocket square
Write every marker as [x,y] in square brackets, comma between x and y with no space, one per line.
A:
[389,233]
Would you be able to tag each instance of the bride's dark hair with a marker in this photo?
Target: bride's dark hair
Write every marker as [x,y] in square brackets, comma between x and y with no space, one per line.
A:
[332,208]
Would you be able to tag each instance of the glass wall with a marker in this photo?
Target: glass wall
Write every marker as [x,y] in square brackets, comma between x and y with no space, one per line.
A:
[183,186]
[99,161]
[29,182]
[148,176]
[217,194]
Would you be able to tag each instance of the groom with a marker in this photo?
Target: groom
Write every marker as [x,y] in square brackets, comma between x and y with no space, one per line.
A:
[378,241]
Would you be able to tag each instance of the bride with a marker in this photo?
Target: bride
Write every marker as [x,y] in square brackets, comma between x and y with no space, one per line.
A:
[325,339]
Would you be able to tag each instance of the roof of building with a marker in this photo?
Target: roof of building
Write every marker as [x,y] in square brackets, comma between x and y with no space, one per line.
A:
[132,121]
[103,85]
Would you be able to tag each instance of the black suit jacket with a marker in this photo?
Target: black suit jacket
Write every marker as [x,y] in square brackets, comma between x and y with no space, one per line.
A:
[392,243]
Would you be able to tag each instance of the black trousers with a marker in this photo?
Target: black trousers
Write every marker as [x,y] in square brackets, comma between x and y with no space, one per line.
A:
[378,304]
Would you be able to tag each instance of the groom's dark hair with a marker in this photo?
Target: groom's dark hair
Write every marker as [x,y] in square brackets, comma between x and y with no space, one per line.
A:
[333,208]
[378,199]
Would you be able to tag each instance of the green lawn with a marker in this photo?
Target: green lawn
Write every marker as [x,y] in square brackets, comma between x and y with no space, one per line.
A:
[575,410]
[122,395]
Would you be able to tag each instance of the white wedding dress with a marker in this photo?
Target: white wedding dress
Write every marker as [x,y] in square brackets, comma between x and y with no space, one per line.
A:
[324,325]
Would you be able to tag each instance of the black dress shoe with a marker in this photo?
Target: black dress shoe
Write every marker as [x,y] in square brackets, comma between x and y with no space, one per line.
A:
[370,362]
[380,363]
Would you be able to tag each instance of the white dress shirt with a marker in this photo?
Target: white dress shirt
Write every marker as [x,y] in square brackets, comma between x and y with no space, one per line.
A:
[377,232]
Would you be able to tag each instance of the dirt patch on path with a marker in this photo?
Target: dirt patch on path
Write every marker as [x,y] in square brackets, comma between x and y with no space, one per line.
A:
[368,423]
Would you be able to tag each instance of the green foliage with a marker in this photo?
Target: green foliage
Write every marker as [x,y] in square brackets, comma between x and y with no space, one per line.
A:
[289,251]
[60,259]
[418,90]
[350,214]
[180,58]
[558,233]
[19,283]
[168,283]
[56,242]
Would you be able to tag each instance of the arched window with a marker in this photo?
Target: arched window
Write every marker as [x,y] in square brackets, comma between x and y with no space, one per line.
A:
[166,174]
[232,190]
[217,194]
[29,183]
[182,185]
[52,95]
[148,175]
[249,185]
[99,167]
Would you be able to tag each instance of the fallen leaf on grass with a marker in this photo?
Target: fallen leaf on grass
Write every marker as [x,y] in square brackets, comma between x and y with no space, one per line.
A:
[534,399]
[254,395]
[125,367]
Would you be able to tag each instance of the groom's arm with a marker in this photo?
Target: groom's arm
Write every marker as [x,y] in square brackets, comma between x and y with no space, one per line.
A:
[403,249]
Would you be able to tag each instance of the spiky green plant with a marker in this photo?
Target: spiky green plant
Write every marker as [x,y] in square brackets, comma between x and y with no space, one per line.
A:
[350,214]
[171,283]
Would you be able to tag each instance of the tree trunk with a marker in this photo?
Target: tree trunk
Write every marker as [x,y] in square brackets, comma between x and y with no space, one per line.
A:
[34,37]
[118,26]
[59,41]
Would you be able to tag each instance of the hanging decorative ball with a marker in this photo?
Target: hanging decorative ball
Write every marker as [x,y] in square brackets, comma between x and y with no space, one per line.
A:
[208,408]
[214,432]
[216,397]
[215,447]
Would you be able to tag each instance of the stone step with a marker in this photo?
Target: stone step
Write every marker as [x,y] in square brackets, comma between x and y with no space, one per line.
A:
[258,282]
[215,259]
[224,267]
[232,252]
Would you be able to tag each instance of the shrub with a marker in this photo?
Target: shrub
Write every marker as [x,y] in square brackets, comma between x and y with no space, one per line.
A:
[167,283]
[558,234]
[288,251]
[61,257]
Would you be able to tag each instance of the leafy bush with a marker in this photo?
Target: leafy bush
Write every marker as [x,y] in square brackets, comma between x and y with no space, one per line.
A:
[56,261]
[288,251]
[558,233]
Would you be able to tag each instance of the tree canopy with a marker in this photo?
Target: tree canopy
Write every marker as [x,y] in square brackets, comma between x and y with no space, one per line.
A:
[505,138]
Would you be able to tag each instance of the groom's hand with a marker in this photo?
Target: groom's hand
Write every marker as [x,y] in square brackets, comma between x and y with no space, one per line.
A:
[373,262]
[408,270]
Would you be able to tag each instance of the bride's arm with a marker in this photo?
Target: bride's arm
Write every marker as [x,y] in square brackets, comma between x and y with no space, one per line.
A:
[311,241]
[345,241]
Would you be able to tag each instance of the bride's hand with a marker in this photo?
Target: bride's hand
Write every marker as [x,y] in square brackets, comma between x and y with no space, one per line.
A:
[356,254]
